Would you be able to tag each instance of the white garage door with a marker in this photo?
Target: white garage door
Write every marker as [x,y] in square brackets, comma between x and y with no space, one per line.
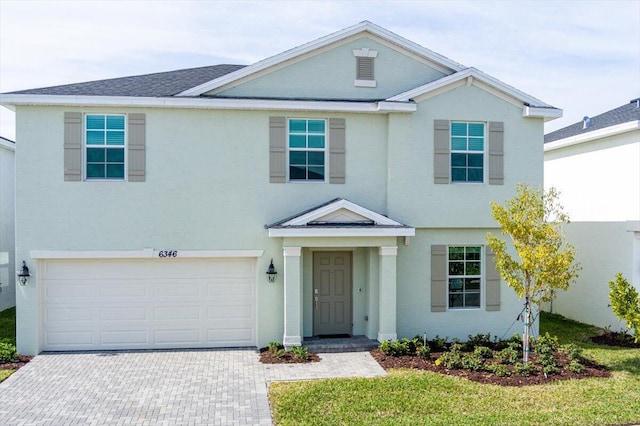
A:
[148,304]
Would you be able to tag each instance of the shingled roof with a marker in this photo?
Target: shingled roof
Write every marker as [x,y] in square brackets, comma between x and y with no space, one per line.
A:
[624,114]
[159,84]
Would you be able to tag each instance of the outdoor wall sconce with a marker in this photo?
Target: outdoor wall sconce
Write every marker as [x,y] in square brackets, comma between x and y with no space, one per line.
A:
[23,274]
[271,272]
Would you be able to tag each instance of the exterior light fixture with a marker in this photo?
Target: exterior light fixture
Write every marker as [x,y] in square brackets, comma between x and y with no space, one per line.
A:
[23,274]
[271,272]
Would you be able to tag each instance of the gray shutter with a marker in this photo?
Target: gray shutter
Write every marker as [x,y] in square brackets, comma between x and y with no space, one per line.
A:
[277,149]
[72,146]
[136,132]
[337,164]
[364,68]
[438,278]
[496,153]
[492,278]
[441,157]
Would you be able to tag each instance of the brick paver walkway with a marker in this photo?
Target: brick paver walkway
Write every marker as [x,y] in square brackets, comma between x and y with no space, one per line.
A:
[208,387]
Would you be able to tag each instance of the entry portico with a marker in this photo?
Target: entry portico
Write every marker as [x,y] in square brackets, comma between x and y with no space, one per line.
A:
[353,234]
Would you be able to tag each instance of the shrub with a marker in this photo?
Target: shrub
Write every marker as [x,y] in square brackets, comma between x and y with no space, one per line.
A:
[483,351]
[500,370]
[424,352]
[8,353]
[394,347]
[473,362]
[299,352]
[453,358]
[550,369]
[575,366]
[524,370]
[438,344]
[275,346]
[546,344]
[479,340]
[573,351]
[507,356]
[625,303]
[547,360]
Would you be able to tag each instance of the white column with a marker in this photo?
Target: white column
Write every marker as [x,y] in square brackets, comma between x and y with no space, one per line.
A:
[292,297]
[387,289]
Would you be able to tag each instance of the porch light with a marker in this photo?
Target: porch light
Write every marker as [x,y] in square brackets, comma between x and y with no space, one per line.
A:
[23,274]
[271,272]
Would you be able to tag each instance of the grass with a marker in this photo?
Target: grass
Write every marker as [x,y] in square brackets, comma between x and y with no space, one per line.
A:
[7,331]
[409,397]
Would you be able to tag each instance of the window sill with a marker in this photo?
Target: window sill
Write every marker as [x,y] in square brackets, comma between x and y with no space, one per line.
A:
[364,83]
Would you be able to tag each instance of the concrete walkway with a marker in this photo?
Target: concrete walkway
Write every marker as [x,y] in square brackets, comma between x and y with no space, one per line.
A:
[198,387]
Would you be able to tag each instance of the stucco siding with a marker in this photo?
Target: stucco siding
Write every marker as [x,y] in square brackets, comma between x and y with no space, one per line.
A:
[7,247]
[603,249]
[331,74]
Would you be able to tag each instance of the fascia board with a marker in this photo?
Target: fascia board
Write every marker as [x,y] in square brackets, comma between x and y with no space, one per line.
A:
[593,135]
[384,106]
[7,145]
[341,204]
[317,44]
[198,103]
[147,253]
[342,232]
[547,113]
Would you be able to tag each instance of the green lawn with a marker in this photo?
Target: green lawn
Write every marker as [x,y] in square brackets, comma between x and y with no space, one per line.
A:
[7,331]
[408,397]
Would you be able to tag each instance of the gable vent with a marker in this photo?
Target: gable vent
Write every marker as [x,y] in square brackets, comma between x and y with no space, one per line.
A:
[365,68]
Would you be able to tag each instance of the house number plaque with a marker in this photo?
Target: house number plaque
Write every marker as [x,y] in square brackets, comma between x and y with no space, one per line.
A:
[168,253]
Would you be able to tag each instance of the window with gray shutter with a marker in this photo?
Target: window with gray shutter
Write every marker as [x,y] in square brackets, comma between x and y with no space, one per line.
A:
[441,150]
[337,165]
[136,147]
[277,149]
[492,278]
[496,153]
[438,278]
[72,146]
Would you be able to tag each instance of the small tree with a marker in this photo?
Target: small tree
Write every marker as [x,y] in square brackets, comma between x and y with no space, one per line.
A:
[544,263]
[625,304]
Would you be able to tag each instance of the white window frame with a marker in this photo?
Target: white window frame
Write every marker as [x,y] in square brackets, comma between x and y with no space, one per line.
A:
[365,52]
[484,152]
[481,277]
[85,146]
[325,150]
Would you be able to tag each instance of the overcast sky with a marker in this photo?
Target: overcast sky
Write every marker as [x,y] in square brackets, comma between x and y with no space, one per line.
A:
[581,56]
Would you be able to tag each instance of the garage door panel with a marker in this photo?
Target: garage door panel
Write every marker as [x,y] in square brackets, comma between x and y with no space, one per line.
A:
[148,304]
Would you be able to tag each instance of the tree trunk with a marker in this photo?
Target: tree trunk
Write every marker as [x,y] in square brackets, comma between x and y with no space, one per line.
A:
[527,330]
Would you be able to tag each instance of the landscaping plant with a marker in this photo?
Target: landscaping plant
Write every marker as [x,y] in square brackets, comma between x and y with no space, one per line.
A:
[625,304]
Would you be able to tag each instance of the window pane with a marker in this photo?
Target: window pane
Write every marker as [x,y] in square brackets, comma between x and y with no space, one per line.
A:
[298,126]
[455,285]
[472,300]
[297,141]
[458,129]
[316,126]
[456,253]
[297,172]
[459,144]
[115,122]
[456,268]
[476,144]
[458,175]
[316,141]
[115,171]
[115,155]
[316,158]
[95,122]
[475,175]
[455,301]
[472,253]
[95,155]
[473,268]
[472,284]
[458,160]
[95,171]
[475,160]
[476,129]
[298,157]
[316,173]
[95,137]
[115,138]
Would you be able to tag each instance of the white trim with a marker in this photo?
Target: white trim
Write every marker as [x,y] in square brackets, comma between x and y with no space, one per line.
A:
[365,52]
[337,205]
[292,251]
[318,44]
[593,135]
[289,341]
[147,253]
[546,113]
[202,103]
[462,77]
[9,146]
[388,250]
[384,106]
[342,232]
[364,83]
[387,336]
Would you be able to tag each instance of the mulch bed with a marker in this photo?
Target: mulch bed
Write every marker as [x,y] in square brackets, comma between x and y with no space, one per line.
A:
[22,361]
[268,357]
[415,362]
[613,338]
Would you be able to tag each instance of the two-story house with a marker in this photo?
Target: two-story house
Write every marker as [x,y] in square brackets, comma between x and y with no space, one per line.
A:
[358,167]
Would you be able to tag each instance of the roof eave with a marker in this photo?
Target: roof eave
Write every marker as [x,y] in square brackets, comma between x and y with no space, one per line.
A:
[593,135]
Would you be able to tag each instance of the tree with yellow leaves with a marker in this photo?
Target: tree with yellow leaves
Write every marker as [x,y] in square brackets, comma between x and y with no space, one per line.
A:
[533,220]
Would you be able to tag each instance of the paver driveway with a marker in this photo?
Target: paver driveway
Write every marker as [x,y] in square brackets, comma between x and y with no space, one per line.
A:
[208,387]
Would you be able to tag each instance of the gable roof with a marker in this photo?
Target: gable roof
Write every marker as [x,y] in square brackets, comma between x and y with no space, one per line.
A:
[159,84]
[338,217]
[362,27]
[626,113]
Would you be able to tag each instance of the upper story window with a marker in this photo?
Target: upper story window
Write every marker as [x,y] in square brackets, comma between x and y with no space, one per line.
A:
[105,146]
[467,152]
[365,67]
[464,265]
[307,149]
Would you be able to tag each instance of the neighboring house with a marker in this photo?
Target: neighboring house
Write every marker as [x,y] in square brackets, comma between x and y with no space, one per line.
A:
[150,207]
[595,164]
[7,224]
